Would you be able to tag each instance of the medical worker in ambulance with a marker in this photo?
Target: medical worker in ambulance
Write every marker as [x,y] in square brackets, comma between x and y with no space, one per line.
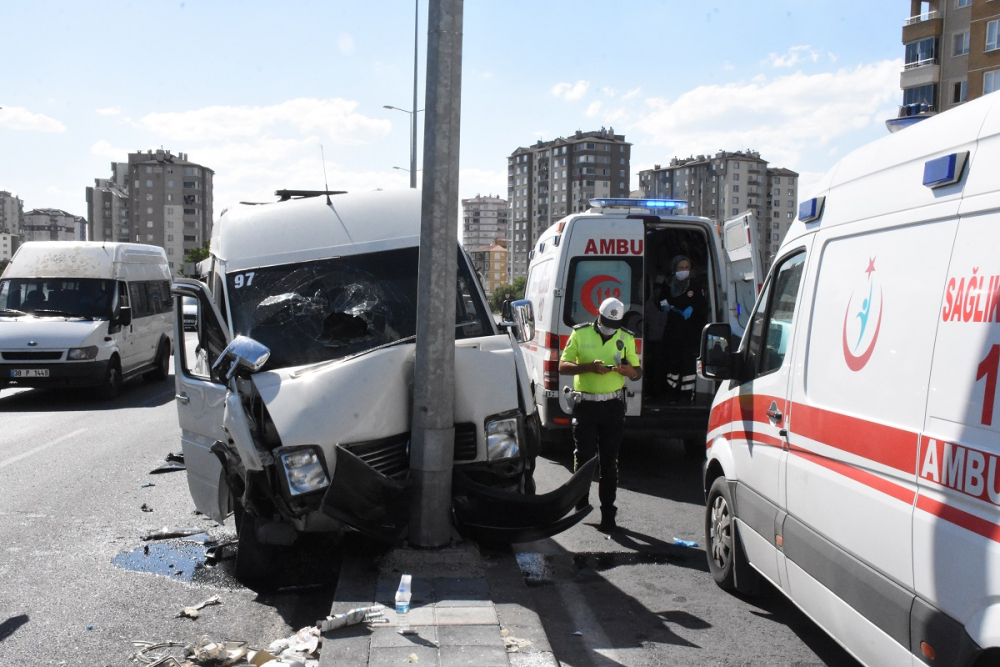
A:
[685,303]
[601,355]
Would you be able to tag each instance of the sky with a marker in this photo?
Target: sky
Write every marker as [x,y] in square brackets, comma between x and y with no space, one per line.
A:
[253,90]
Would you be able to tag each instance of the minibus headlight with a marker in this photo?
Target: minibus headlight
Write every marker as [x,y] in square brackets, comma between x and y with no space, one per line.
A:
[502,438]
[304,471]
[82,353]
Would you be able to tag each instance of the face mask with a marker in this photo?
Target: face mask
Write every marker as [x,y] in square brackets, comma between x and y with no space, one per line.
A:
[682,275]
[604,331]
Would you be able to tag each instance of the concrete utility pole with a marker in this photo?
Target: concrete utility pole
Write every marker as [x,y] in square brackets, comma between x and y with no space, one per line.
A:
[433,435]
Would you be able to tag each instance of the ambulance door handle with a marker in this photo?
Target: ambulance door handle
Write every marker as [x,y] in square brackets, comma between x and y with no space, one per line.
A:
[775,415]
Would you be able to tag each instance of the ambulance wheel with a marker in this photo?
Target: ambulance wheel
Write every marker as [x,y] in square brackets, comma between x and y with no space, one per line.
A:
[726,559]
[161,369]
[254,561]
[112,386]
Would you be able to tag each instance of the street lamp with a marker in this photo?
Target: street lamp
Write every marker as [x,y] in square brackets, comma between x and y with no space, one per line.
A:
[413,143]
[405,169]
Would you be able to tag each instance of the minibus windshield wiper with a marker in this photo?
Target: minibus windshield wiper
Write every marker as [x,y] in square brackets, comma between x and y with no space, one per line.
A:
[12,312]
[61,313]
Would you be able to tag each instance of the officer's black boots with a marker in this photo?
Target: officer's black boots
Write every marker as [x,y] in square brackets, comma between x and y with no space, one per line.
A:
[608,520]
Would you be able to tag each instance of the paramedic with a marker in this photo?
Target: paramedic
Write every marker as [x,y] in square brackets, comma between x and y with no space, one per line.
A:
[685,305]
[601,355]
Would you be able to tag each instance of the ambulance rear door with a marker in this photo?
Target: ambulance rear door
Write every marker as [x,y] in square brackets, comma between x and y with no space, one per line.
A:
[744,274]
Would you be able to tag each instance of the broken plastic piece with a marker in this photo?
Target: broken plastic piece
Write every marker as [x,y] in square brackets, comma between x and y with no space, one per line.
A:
[578,633]
[167,467]
[146,508]
[192,612]
[167,533]
[684,543]
[372,614]
[305,641]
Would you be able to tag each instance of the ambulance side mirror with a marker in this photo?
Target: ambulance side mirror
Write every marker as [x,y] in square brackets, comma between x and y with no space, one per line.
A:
[518,318]
[716,360]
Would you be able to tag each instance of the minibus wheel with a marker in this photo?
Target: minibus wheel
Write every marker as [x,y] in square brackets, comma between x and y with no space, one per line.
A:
[254,560]
[112,380]
[161,368]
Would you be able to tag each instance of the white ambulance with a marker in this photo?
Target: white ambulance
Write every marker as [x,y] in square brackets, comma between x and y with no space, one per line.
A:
[623,248]
[854,443]
[85,314]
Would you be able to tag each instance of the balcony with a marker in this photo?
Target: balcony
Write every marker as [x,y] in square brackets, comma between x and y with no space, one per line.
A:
[920,73]
[920,18]
[926,25]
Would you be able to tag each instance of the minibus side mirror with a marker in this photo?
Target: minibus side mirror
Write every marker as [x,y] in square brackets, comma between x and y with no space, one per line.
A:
[518,317]
[716,360]
[124,317]
[242,354]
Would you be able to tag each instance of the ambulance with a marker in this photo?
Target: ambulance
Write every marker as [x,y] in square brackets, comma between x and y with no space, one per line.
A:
[621,248]
[853,445]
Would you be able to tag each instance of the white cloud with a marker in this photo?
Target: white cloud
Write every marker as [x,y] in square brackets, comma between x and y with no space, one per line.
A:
[345,43]
[109,111]
[17,118]
[104,148]
[609,92]
[571,92]
[794,56]
[631,94]
[335,118]
[785,118]
[593,109]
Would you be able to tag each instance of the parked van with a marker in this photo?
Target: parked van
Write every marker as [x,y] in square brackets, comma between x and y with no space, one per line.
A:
[853,445]
[79,314]
[624,248]
[294,395]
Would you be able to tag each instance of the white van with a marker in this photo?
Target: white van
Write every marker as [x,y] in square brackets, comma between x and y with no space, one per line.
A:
[85,314]
[854,442]
[294,394]
[623,248]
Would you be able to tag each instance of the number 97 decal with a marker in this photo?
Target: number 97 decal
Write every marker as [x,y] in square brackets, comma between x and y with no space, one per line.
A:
[243,279]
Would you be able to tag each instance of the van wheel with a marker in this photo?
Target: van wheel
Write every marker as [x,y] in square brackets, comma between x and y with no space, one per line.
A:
[112,380]
[162,368]
[726,559]
[254,560]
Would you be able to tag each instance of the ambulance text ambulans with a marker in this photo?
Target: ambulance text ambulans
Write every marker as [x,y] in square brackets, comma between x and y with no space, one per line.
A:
[623,248]
[853,445]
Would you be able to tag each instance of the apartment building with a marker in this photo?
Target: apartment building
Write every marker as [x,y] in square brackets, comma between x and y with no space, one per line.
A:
[158,198]
[11,213]
[8,244]
[53,224]
[554,178]
[484,220]
[952,53]
[726,184]
[491,264]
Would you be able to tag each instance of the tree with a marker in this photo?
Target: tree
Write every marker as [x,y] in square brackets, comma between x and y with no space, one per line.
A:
[197,254]
[504,292]
[3,265]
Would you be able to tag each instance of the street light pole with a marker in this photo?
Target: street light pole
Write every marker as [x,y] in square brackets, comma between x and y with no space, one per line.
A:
[413,141]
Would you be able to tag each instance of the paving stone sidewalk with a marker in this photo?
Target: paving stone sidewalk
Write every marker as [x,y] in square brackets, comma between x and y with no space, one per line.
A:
[469,608]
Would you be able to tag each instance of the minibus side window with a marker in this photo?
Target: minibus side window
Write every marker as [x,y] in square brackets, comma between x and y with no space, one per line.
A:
[771,328]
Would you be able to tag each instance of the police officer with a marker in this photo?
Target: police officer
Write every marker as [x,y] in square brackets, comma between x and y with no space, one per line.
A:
[601,355]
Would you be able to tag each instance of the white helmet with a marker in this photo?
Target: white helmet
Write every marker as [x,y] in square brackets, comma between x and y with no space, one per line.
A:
[610,313]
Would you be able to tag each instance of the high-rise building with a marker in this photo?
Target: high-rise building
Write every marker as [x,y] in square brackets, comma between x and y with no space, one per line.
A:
[157,198]
[53,224]
[8,244]
[491,263]
[727,184]
[553,178]
[952,53]
[484,220]
[11,213]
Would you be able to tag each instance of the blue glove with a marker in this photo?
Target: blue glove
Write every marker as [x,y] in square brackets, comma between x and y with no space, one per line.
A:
[687,312]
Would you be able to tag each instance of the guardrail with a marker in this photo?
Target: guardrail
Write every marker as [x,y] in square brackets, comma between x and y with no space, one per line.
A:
[920,18]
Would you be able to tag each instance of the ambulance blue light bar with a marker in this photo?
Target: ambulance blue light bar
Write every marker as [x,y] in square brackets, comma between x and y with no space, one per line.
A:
[638,203]
[945,170]
[811,209]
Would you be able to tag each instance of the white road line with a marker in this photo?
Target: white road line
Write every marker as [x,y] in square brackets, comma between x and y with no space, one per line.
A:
[15,459]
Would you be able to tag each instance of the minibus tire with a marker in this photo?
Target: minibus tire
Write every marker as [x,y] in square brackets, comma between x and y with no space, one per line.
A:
[254,560]
[112,380]
[161,370]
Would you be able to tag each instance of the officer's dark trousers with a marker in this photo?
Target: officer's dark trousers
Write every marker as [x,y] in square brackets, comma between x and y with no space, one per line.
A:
[597,429]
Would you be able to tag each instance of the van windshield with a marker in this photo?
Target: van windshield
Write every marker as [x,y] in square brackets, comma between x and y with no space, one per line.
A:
[89,298]
[329,309]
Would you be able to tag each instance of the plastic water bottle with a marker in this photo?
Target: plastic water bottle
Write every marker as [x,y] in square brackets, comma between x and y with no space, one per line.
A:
[403,605]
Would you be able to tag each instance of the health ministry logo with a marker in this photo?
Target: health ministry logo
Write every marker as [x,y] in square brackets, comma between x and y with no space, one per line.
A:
[862,320]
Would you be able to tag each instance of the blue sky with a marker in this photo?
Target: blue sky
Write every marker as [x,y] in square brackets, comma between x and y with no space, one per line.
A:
[252,89]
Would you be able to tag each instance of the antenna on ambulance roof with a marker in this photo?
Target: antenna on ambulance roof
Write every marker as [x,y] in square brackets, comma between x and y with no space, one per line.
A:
[326,183]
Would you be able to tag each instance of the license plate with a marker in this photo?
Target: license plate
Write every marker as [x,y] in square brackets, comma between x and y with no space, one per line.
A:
[29,373]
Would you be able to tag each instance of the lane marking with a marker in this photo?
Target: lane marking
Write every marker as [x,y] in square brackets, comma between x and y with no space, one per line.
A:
[30,452]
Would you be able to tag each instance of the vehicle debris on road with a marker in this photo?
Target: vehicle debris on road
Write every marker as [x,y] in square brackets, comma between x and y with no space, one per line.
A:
[193,611]
[166,533]
[372,614]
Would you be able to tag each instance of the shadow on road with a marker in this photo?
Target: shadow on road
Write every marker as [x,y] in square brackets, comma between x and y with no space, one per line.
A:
[11,625]
[135,393]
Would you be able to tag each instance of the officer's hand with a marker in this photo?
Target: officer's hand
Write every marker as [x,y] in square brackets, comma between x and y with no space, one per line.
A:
[687,312]
[597,366]
[625,369]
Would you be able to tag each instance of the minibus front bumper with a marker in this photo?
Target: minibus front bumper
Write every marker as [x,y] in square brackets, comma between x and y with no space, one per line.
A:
[62,374]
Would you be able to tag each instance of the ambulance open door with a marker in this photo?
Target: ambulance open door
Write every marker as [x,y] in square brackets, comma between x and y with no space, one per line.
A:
[744,274]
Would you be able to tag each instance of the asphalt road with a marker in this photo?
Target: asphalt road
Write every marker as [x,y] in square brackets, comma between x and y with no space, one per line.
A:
[635,598]
[75,586]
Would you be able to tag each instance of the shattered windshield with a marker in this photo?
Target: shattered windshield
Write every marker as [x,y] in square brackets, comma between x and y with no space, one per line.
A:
[333,308]
[89,298]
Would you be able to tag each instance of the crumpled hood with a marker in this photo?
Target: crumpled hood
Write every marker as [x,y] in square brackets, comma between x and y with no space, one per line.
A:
[51,333]
[370,396]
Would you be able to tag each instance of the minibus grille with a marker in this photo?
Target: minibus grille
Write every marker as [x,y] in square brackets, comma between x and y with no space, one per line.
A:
[32,356]
[390,456]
